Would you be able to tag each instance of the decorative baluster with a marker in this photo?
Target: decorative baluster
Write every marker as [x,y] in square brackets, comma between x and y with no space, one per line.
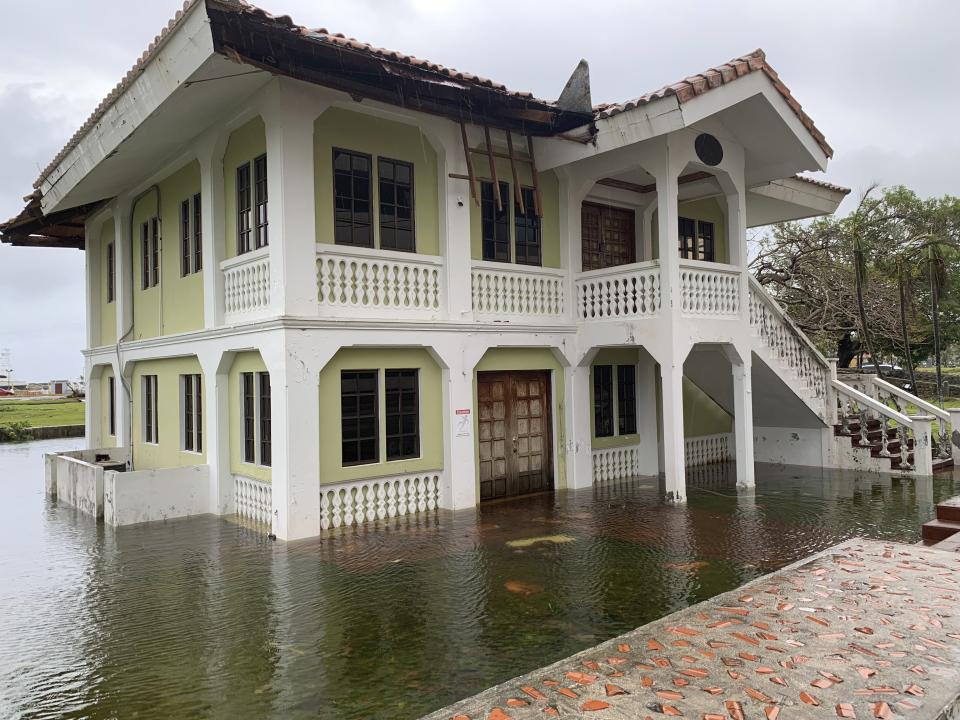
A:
[904,450]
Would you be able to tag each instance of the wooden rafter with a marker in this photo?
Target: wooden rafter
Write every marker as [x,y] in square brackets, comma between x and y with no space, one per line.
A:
[538,204]
[470,174]
[493,167]
[517,192]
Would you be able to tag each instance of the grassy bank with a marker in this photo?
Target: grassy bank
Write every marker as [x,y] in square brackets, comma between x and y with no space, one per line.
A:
[41,412]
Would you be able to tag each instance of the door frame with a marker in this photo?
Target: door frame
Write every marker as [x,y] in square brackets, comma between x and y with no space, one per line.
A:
[551,452]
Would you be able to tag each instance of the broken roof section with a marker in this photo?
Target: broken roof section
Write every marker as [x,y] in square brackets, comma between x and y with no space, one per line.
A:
[215,33]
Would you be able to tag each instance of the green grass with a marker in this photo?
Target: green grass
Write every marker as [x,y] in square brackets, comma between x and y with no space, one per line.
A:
[42,412]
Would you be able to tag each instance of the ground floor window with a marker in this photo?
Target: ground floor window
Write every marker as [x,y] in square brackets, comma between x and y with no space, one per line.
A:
[614,417]
[112,406]
[361,406]
[255,400]
[151,431]
[191,413]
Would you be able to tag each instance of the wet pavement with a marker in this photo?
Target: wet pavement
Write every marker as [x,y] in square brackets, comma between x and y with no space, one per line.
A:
[863,630]
[205,617]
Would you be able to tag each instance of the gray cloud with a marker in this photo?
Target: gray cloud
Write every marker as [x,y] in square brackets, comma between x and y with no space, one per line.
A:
[873,75]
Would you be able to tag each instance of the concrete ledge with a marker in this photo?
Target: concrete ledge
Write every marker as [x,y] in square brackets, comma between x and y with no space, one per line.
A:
[862,630]
[54,432]
[150,495]
[75,478]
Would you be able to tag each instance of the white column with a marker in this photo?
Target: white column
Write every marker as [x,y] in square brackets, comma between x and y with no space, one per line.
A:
[294,360]
[212,222]
[647,414]
[459,357]
[92,407]
[922,444]
[457,206]
[667,236]
[674,461]
[288,117]
[577,417]
[743,420]
[122,407]
[216,416]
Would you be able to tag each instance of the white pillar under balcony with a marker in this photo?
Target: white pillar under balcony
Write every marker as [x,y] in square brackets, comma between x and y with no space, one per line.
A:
[674,460]
[122,407]
[288,116]
[210,155]
[743,418]
[459,358]
[666,174]
[455,214]
[92,406]
[216,416]
[577,417]
[647,414]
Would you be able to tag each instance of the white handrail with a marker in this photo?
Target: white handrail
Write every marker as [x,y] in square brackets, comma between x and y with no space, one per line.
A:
[904,395]
[377,254]
[245,258]
[617,269]
[775,306]
[876,406]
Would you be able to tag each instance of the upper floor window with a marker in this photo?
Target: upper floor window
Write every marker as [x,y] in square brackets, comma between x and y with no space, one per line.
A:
[252,205]
[255,399]
[495,222]
[352,199]
[695,239]
[191,249]
[191,413]
[495,226]
[111,273]
[150,253]
[150,420]
[614,400]
[396,205]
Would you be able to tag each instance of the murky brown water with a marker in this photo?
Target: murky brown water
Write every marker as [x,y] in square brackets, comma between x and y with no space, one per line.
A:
[205,618]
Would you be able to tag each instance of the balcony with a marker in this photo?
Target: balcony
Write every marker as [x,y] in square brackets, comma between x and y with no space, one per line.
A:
[709,289]
[502,292]
[246,286]
[623,291]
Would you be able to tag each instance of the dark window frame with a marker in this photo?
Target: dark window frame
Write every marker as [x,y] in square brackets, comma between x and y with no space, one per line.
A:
[604,424]
[386,228]
[264,422]
[248,423]
[402,409]
[626,399]
[494,222]
[351,399]
[345,220]
[526,225]
[112,409]
[111,273]
[192,403]
[186,252]
[706,241]
[260,198]
[687,238]
[151,416]
[244,208]
[150,253]
[197,233]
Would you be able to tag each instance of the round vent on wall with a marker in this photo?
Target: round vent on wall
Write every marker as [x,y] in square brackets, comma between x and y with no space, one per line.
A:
[708,149]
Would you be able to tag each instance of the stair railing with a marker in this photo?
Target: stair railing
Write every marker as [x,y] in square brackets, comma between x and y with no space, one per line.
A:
[899,399]
[912,432]
[789,345]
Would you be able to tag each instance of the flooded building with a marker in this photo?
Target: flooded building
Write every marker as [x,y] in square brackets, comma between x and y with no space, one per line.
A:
[328,282]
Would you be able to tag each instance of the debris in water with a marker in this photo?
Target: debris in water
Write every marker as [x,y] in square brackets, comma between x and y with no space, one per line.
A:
[527,542]
[686,567]
[522,588]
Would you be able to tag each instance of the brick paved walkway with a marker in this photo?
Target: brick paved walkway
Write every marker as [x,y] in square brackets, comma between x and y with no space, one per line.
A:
[863,630]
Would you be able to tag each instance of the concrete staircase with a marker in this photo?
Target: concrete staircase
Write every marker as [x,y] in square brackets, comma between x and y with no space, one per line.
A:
[882,456]
[944,530]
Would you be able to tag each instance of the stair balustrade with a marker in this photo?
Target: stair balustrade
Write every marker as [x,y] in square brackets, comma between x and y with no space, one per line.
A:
[789,346]
[617,292]
[884,431]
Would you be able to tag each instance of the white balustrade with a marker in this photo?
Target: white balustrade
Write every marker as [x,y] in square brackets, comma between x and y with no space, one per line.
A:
[789,346]
[254,499]
[622,291]
[352,503]
[381,283]
[707,449]
[617,463]
[709,289]
[246,285]
[517,291]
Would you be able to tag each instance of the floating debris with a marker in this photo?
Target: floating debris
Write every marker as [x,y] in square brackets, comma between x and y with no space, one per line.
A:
[523,588]
[527,542]
[686,567]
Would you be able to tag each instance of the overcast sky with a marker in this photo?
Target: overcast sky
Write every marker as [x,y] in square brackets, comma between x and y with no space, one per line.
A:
[875,75]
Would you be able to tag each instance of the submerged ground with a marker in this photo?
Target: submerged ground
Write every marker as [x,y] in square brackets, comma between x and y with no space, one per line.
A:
[207,618]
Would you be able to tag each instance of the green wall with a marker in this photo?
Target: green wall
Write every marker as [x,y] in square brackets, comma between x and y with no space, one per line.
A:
[549,196]
[614,356]
[709,210]
[527,359]
[431,413]
[243,362]
[701,415]
[181,297]
[108,310]
[167,452]
[339,128]
[245,143]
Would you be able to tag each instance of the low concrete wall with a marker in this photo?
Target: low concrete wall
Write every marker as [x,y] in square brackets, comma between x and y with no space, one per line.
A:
[148,495]
[789,446]
[56,431]
[74,478]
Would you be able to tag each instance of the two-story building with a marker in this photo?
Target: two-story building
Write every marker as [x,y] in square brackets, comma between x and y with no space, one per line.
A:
[328,283]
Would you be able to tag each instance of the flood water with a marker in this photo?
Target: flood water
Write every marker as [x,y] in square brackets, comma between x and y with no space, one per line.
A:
[206,618]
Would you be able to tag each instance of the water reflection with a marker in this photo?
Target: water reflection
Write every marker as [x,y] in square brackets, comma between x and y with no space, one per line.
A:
[206,617]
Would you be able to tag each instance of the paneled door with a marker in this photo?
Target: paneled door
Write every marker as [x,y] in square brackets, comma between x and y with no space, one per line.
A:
[514,427]
[607,236]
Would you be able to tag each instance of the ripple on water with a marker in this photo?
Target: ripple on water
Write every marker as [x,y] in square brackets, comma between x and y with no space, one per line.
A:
[207,618]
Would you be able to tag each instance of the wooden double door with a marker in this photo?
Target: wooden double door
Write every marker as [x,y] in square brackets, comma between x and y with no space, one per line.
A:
[514,425]
[607,236]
